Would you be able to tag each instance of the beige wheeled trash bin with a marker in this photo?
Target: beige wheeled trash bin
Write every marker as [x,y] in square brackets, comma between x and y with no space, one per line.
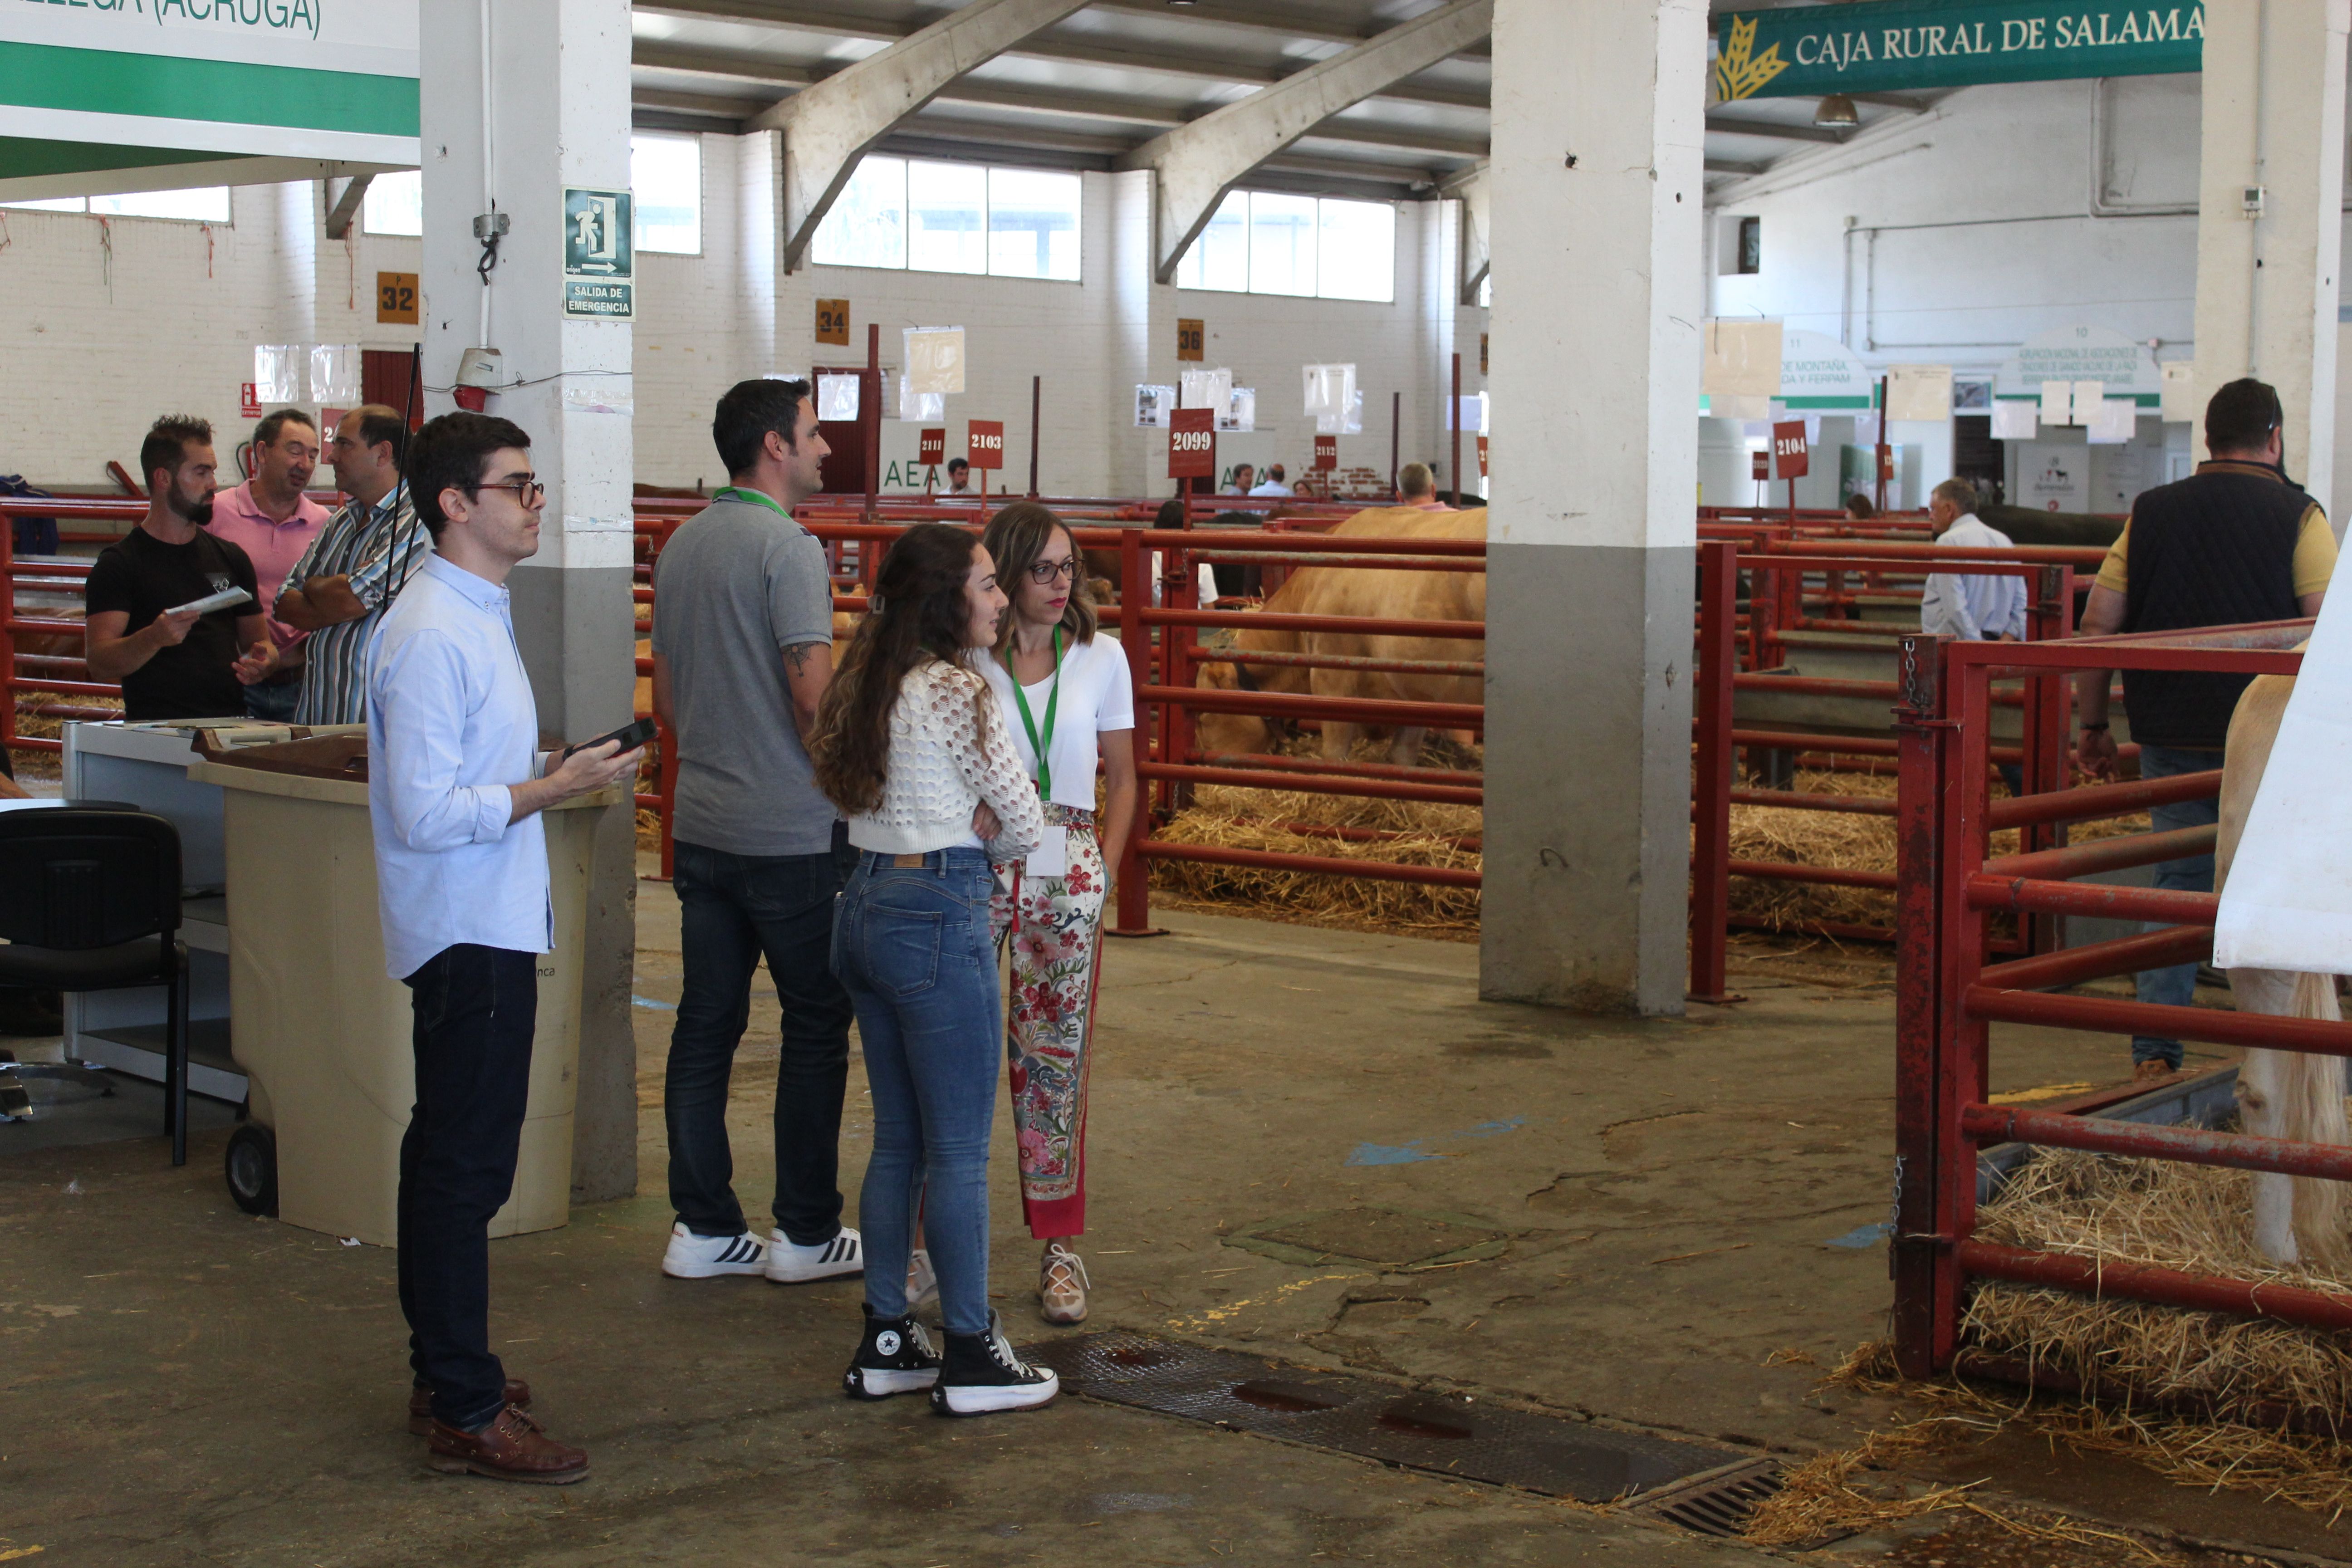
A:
[324,1034]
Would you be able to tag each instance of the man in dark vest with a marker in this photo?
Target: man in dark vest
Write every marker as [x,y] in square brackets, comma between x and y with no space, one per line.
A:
[2237,540]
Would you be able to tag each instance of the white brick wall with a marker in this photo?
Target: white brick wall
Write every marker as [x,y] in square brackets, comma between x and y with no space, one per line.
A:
[91,363]
[105,324]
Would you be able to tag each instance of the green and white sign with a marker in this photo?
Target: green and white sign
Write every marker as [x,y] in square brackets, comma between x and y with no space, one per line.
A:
[600,261]
[2127,369]
[1883,45]
[109,95]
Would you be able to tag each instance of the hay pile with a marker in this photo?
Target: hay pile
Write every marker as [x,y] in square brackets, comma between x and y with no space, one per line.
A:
[1427,835]
[35,726]
[2192,1218]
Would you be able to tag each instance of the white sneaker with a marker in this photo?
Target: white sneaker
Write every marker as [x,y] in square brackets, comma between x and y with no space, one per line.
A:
[922,1280]
[692,1256]
[1062,1286]
[792,1264]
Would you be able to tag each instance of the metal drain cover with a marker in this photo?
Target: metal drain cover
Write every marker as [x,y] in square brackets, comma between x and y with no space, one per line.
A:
[1396,1238]
[1716,1503]
[1441,1433]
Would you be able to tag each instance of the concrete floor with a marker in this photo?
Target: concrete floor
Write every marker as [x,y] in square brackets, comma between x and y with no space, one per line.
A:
[185,1384]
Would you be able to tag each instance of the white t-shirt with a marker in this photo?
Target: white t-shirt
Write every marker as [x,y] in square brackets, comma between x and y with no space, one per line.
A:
[1096,696]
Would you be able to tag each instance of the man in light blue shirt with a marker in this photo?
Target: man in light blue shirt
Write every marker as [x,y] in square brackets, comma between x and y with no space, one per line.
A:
[455,789]
[1973,607]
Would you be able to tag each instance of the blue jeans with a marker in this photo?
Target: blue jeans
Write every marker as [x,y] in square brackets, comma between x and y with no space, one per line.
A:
[2175,984]
[911,944]
[474,1011]
[273,703]
[733,910]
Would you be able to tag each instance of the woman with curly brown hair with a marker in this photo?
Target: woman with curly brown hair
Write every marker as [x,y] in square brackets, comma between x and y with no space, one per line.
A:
[909,747]
[1064,696]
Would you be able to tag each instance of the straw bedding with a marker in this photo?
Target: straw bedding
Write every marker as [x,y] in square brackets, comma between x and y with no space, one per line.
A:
[32,725]
[2192,1218]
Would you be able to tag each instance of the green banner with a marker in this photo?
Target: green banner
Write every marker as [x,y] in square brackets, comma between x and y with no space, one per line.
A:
[43,76]
[1886,46]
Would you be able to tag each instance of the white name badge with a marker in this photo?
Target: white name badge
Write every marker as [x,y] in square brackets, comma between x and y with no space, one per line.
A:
[1052,858]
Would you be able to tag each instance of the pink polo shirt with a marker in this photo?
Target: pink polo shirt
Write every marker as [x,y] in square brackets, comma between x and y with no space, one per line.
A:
[274,546]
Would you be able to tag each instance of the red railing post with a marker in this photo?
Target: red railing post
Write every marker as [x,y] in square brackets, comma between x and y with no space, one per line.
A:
[1926,1279]
[1710,913]
[8,641]
[1135,640]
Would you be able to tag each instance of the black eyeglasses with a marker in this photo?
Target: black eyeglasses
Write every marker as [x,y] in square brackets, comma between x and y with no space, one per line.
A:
[525,489]
[1043,572]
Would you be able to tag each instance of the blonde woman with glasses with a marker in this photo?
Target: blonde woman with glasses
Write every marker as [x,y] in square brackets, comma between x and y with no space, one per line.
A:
[1066,701]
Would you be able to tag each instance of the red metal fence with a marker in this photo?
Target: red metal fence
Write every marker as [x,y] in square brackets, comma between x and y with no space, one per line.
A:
[1949,993]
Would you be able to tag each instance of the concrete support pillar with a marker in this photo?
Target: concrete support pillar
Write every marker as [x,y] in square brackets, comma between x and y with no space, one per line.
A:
[776,308]
[2266,283]
[556,114]
[1598,109]
[1143,315]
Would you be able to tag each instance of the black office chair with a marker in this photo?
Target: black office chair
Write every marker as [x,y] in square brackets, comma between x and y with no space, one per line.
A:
[90,900]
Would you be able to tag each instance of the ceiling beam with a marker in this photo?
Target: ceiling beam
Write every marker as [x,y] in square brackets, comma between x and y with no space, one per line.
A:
[827,127]
[797,18]
[1408,174]
[1357,133]
[1196,164]
[346,208]
[1781,131]
[706,62]
[1057,46]
[712,105]
[1734,166]
[1288,25]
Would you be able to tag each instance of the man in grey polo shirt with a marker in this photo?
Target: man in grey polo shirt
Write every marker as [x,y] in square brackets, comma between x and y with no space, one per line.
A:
[743,648]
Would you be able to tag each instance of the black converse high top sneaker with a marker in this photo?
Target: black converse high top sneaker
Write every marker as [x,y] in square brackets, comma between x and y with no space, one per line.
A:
[982,1374]
[895,1357]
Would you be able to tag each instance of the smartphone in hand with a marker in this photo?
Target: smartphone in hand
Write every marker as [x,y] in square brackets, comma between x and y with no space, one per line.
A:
[631,736]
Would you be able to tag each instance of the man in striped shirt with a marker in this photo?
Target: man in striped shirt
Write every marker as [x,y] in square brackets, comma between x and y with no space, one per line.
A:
[356,568]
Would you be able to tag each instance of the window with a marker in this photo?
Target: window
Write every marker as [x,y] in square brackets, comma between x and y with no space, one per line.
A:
[867,225]
[395,204]
[1033,224]
[946,217]
[666,177]
[1263,242]
[933,217]
[207,203]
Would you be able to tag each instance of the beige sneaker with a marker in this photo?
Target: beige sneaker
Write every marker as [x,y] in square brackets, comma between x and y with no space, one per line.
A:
[1062,1286]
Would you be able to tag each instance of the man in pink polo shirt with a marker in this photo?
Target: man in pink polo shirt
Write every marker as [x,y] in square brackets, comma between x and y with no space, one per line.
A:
[273,521]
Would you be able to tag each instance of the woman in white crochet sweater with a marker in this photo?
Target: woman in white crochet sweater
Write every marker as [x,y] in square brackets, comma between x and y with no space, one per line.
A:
[908,746]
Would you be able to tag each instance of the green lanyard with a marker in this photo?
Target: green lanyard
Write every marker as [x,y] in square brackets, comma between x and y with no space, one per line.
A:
[1052,700]
[736,492]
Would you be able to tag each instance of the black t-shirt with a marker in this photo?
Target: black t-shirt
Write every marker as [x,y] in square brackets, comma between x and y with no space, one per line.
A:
[142,577]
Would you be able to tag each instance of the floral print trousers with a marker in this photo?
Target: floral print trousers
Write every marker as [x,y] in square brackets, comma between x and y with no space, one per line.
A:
[1055,924]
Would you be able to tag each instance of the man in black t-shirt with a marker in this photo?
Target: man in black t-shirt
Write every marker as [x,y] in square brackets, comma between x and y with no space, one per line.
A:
[186,665]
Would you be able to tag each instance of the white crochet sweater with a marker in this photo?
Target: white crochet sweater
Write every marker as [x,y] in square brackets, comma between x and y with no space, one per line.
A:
[948,753]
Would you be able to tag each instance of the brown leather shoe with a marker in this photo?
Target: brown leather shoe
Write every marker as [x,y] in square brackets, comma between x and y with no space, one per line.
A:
[512,1447]
[420,1404]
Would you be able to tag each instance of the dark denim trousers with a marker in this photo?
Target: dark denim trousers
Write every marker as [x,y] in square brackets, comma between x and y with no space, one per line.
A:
[733,910]
[475,1009]
[912,945]
[2176,983]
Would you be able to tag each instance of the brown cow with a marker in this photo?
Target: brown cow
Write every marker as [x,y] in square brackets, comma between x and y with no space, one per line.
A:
[1403,595]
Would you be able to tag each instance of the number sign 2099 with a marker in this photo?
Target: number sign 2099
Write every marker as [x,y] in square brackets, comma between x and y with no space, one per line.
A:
[1192,444]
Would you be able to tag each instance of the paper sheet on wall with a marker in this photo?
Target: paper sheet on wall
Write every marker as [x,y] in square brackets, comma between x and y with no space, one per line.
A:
[1328,388]
[2088,397]
[2180,391]
[2057,403]
[2288,904]
[1152,405]
[837,398]
[2016,419]
[2116,421]
[1743,359]
[935,359]
[1206,388]
[1919,392]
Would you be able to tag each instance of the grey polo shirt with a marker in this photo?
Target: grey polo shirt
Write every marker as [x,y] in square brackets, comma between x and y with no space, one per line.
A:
[736,584]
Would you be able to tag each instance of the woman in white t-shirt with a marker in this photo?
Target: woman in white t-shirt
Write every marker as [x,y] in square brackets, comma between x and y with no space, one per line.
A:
[1065,694]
